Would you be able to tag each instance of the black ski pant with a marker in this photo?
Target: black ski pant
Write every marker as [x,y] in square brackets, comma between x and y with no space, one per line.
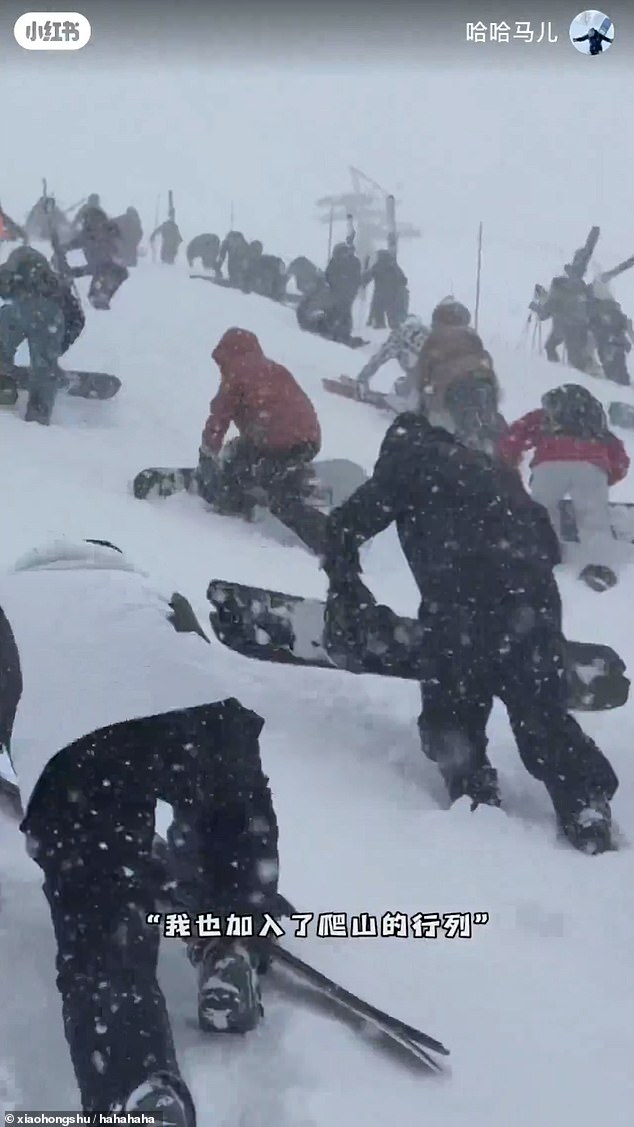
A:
[390,308]
[576,340]
[501,638]
[283,478]
[90,827]
[613,359]
[107,277]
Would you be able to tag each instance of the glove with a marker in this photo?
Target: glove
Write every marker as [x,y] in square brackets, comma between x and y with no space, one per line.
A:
[362,389]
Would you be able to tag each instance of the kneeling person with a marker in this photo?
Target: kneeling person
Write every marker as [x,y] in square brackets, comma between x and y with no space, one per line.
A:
[279,435]
[123,705]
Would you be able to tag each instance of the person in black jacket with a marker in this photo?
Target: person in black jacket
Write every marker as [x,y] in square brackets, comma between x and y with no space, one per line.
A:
[171,240]
[130,235]
[343,277]
[42,309]
[482,553]
[99,239]
[595,40]
[206,248]
[390,298]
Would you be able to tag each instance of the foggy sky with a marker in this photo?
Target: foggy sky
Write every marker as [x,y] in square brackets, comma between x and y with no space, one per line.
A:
[267,112]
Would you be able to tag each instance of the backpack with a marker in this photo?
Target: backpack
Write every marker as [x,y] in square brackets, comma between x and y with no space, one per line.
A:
[573,411]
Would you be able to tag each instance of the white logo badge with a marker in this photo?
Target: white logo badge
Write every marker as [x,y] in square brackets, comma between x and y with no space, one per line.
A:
[52,31]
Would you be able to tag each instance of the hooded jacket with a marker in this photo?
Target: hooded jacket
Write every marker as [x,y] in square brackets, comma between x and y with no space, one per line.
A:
[450,353]
[97,645]
[261,398]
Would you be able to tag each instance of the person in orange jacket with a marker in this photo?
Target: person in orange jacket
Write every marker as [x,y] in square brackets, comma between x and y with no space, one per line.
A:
[575,455]
[279,435]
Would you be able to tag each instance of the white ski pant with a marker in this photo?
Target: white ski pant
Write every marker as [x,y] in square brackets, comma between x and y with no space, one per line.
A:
[587,487]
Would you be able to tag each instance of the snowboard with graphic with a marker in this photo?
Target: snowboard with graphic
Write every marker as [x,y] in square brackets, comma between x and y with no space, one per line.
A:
[291,630]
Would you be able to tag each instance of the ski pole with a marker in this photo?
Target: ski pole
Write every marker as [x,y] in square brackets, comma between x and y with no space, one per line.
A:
[478,273]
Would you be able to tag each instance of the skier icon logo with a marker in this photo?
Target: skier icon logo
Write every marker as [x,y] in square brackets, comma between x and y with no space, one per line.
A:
[592,33]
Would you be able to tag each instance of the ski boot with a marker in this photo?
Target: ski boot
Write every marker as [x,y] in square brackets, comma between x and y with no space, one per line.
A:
[588,825]
[166,1097]
[598,577]
[229,996]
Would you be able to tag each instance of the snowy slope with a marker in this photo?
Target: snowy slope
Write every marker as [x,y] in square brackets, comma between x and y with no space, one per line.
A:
[536,1007]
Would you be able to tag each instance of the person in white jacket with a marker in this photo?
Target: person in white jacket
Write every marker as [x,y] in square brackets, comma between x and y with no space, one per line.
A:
[111,698]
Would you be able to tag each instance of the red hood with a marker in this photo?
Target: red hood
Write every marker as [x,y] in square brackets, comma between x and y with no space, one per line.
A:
[234,345]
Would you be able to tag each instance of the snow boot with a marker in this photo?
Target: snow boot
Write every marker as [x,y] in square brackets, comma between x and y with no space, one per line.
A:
[166,1097]
[598,577]
[38,410]
[482,787]
[588,825]
[229,996]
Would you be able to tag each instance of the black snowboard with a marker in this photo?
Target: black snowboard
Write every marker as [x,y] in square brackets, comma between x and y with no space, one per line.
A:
[621,415]
[291,630]
[84,385]
[622,513]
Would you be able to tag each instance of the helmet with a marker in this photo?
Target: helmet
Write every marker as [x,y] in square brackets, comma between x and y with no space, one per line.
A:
[256,246]
[450,312]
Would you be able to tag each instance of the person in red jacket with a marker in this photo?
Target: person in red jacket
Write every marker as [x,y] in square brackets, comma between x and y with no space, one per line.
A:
[575,455]
[279,435]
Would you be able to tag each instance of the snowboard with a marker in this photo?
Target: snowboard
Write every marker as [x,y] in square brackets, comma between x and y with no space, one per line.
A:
[291,630]
[223,282]
[84,385]
[333,481]
[349,389]
[622,513]
[621,415]
[391,1030]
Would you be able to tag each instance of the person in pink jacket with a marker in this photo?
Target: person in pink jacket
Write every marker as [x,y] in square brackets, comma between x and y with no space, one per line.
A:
[576,456]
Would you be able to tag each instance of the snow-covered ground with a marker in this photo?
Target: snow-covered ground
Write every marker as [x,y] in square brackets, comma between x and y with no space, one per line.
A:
[537,1007]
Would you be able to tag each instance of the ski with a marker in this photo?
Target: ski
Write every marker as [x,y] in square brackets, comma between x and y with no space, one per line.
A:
[608,275]
[414,1040]
[285,629]
[77,384]
[581,257]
